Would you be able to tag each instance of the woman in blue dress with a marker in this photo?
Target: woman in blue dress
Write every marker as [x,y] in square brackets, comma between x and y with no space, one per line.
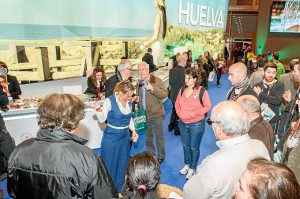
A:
[115,149]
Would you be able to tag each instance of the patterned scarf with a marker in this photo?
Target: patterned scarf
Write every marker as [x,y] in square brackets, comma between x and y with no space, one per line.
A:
[232,94]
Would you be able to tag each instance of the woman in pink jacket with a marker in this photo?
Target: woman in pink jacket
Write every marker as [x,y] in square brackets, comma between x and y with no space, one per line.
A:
[191,112]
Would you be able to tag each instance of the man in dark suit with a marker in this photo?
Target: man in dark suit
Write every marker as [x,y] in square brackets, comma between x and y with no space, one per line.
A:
[148,58]
[176,82]
[123,73]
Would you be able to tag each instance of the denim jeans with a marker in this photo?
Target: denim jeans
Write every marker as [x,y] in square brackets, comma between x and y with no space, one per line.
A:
[191,135]
[219,73]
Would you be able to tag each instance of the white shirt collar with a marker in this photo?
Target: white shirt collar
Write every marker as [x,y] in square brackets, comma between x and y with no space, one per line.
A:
[233,141]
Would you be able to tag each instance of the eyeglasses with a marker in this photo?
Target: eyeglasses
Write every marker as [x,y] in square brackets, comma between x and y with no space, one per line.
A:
[129,69]
[209,121]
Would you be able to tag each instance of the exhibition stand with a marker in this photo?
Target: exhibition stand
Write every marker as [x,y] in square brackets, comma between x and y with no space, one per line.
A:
[22,123]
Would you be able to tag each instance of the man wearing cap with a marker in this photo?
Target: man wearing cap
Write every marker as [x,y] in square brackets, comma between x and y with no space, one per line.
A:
[123,73]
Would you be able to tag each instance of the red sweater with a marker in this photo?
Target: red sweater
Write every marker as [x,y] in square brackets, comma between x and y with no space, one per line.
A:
[189,109]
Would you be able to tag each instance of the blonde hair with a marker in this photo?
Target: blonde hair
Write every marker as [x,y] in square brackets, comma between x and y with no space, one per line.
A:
[124,87]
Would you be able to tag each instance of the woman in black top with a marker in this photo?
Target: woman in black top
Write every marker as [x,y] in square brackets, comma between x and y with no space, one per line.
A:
[10,84]
[96,82]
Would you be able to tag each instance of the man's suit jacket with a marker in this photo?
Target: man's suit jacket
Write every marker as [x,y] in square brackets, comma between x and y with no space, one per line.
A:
[176,81]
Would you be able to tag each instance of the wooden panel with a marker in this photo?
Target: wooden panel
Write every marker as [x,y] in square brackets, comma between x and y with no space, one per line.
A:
[27,75]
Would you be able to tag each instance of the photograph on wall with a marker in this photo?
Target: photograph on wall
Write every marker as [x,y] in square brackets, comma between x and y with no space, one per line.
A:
[45,40]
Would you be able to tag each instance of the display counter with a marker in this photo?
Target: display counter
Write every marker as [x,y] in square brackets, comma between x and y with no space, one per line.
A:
[22,123]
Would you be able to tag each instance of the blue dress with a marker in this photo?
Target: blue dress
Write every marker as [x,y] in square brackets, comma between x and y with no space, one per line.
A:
[115,144]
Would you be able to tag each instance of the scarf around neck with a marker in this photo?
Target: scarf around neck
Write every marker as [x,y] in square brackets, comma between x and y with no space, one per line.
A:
[243,85]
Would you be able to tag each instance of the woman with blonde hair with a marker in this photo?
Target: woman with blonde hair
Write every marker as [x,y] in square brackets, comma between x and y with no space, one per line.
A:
[160,30]
[115,144]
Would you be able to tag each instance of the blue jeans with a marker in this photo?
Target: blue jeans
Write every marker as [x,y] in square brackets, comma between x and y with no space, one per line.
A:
[191,135]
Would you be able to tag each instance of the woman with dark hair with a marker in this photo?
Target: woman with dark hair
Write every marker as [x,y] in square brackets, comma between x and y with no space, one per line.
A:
[115,144]
[210,61]
[220,62]
[191,111]
[96,81]
[202,61]
[10,84]
[199,66]
[142,177]
[160,31]
[265,179]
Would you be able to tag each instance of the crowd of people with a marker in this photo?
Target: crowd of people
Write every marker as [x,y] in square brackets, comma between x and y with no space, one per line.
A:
[259,116]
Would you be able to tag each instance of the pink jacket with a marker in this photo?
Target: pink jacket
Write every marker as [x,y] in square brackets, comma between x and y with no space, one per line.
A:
[189,109]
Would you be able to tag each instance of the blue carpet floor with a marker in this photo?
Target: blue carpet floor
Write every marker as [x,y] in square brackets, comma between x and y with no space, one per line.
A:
[174,152]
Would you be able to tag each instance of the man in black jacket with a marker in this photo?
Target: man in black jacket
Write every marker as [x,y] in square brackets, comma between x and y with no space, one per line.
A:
[148,58]
[176,82]
[55,164]
[270,92]
[123,73]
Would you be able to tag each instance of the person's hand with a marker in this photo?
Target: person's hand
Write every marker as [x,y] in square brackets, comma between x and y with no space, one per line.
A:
[136,99]
[257,89]
[8,94]
[149,87]
[287,96]
[96,107]
[135,136]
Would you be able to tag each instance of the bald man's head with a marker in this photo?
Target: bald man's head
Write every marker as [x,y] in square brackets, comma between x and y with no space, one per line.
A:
[181,60]
[237,73]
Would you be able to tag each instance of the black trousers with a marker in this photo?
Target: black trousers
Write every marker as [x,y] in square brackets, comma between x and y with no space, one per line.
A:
[174,122]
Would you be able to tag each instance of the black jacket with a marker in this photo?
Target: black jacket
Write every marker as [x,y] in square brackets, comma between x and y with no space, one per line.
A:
[148,58]
[111,83]
[56,165]
[13,86]
[176,81]
[91,89]
[272,97]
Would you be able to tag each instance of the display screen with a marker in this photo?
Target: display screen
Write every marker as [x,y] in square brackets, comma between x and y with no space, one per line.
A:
[285,17]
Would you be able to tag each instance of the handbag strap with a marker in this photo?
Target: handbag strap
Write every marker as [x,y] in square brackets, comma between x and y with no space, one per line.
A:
[139,107]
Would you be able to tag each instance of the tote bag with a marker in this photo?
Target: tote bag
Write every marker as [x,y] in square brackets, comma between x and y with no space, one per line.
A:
[139,119]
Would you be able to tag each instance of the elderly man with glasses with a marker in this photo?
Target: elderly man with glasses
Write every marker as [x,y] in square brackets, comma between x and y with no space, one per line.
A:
[123,73]
[218,172]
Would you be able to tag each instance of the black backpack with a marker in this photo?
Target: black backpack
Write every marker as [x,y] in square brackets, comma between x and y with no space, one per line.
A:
[202,90]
